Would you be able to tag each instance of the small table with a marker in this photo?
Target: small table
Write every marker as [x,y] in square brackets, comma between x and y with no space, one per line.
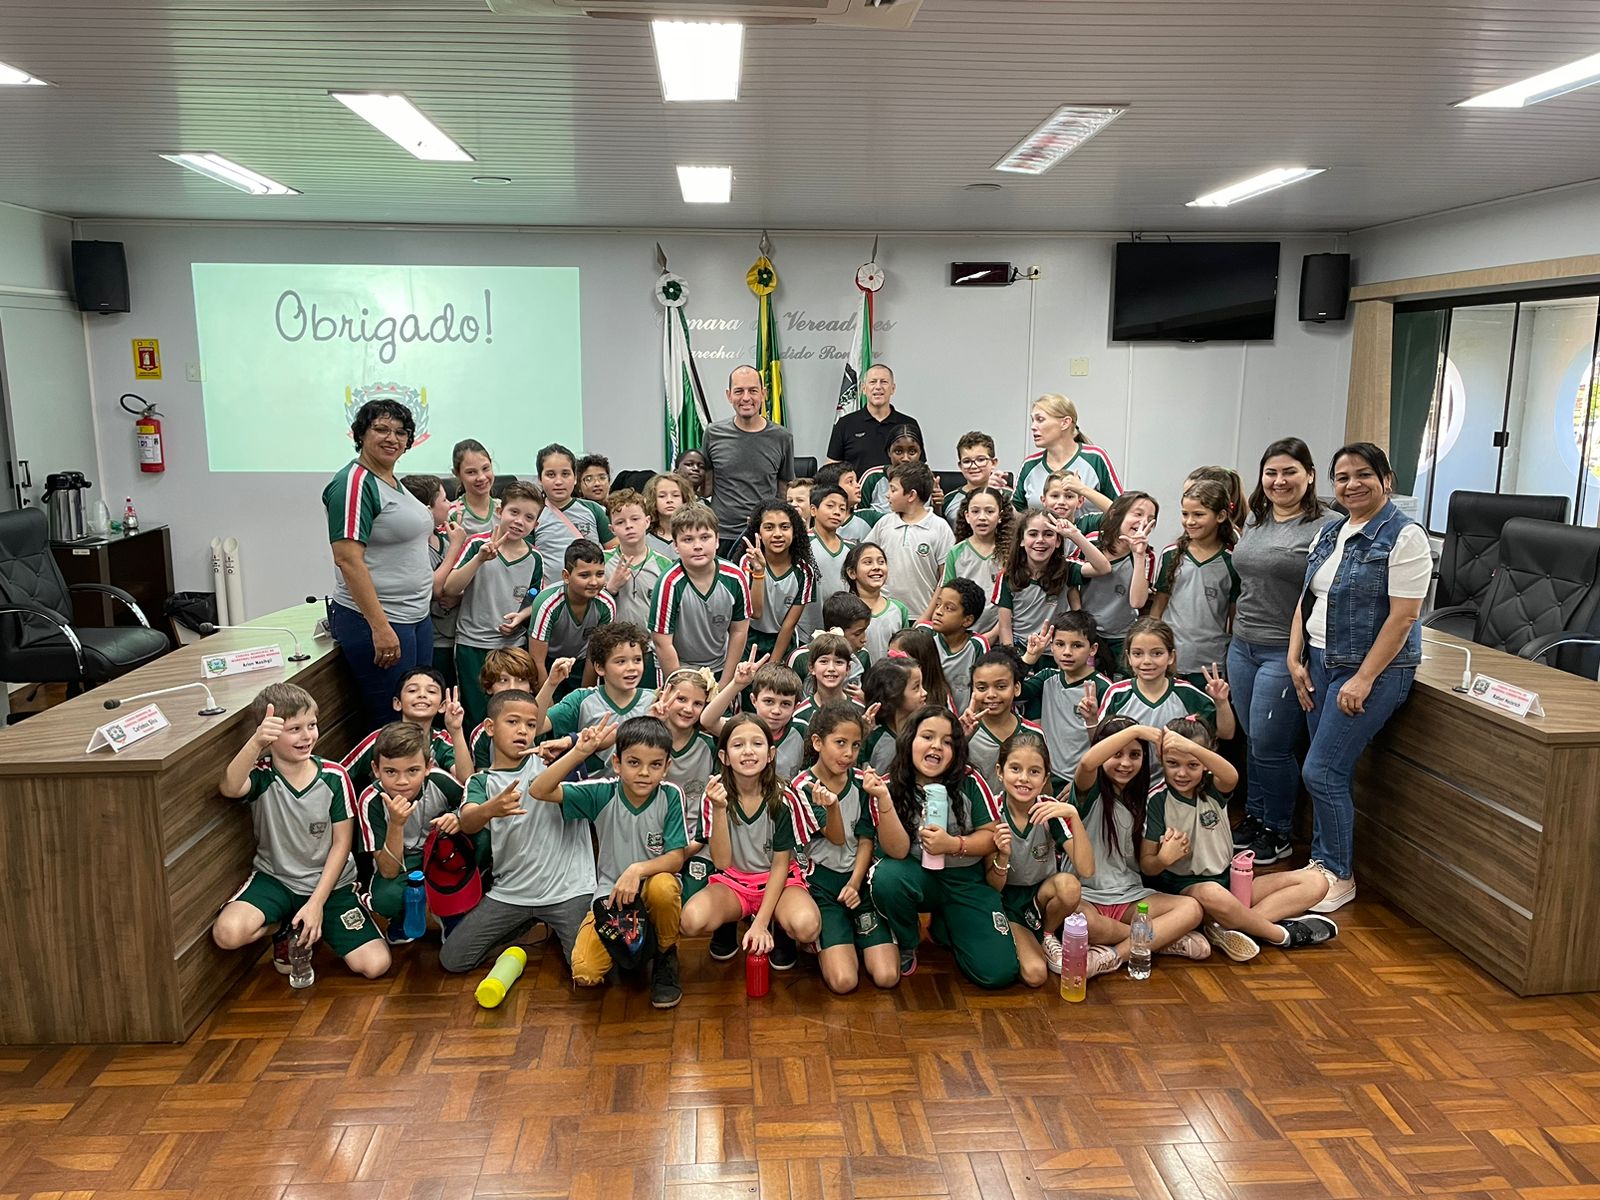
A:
[139,563]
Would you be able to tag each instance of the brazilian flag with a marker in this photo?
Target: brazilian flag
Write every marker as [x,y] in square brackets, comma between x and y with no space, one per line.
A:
[763,280]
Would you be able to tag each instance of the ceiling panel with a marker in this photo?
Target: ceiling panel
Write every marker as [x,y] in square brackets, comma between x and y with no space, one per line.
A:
[835,128]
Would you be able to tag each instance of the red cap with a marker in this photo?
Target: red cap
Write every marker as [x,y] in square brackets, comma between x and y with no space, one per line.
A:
[450,874]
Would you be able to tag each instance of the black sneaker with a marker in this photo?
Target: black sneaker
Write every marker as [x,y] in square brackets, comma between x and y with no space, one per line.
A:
[908,964]
[1245,832]
[1310,930]
[725,942]
[782,957]
[1270,847]
[665,991]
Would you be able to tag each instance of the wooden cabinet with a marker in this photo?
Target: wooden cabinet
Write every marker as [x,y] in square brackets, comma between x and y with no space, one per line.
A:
[139,563]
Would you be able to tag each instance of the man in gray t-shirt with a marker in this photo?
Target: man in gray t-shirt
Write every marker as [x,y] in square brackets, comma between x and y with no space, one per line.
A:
[751,458]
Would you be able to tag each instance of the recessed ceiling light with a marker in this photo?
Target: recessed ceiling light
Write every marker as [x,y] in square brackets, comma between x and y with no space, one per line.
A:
[698,60]
[1256,185]
[396,117]
[16,77]
[1062,132]
[223,170]
[706,185]
[1540,88]
[492,180]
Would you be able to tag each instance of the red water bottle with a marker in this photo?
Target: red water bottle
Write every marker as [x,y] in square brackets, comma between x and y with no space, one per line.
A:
[757,975]
[1242,877]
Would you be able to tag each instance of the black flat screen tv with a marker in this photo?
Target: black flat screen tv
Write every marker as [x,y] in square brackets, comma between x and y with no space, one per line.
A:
[1194,291]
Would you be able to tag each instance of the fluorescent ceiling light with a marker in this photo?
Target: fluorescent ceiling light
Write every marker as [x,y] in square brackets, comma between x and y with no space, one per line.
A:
[16,77]
[214,166]
[706,185]
[1540,88]
[1062,132]
[698,60]
[396,117]
[1256,185]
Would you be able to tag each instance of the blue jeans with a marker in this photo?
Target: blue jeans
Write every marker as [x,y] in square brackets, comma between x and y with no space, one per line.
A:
[1263,695]
[1337,741]
[377,684]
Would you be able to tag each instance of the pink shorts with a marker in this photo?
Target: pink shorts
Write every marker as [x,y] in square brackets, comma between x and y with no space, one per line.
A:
[750,886]
[1117,912]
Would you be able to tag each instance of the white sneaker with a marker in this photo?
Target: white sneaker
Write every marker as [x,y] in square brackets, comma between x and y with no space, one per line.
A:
[1240,947]
[1052,953]
[1191,945]
[1340,892]
[1101,960]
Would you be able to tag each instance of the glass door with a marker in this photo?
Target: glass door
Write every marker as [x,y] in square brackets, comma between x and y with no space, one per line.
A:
[1549,428]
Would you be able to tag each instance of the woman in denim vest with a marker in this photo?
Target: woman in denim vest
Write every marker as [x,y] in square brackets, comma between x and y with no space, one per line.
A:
[1355,645]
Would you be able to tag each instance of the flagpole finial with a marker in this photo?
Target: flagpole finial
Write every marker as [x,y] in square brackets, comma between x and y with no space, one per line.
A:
[765,245]
[874,257]
[661,258]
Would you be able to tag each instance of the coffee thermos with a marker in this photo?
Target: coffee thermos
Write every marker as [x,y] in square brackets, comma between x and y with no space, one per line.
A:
[64,500]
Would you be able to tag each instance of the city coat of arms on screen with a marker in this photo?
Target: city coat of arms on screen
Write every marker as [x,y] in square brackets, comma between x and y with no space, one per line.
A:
[414,399]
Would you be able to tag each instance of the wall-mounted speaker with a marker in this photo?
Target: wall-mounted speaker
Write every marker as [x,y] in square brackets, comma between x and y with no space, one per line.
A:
[100,277]
[1324,287]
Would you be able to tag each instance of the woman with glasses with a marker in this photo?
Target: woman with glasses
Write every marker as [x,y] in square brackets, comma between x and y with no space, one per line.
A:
[383,581]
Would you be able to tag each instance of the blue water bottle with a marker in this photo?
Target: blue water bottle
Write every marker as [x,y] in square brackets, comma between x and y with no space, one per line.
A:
[416,921]
[935,812]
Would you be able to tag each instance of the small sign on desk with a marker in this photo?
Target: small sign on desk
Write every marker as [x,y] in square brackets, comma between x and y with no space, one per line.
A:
[1519,702]
[241,662]
[125,731]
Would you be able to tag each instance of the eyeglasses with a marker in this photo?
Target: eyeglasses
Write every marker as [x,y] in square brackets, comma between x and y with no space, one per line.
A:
[978,461]
[387,431]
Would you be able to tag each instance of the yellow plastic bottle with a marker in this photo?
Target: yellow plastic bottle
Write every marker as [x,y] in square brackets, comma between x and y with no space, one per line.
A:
[506,971]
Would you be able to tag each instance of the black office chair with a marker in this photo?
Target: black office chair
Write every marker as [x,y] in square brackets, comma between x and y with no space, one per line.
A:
[805,466]
[635,479]
[1543,595]
[1472,548]
[38,642]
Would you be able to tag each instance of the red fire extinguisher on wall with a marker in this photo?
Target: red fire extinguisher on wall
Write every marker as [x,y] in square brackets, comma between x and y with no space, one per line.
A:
[146,434]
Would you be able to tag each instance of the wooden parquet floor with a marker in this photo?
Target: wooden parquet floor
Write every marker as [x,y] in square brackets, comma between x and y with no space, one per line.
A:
[1381,1065]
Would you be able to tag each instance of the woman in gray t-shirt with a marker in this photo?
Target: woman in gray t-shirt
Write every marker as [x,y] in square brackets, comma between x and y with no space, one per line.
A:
[1270,559]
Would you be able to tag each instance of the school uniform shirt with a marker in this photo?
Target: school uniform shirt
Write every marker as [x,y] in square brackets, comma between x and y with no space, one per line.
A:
[983,753]
[875,488]
[294,830]
[539,857]
[556,625]
[964,562]
[1053,702]
[877,751]
[1033,849]
[688,770]
[584,707]
[982,809]
[1032,608]
[1116,878]
[857,811]
[791,749]
[1205,820]
[954,502]
[780,593]
[883,625]
[558,528]
[700,622]
[916,552]
[957,663]
[830,579]
[460,513]
[440,794]
[1201,596]
[626,835]
[754,840]
[633,599]
[1090,463]
[481,745]
[393,527]
[1179,699]
[444,619]
[500,586]
[363,772]
[662,546]
[860,523]
[1105,597]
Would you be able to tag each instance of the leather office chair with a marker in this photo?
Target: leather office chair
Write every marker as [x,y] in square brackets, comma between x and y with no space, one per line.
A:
[38,642]
[1472,547]
[1544,599]
[635,479]
[805,466]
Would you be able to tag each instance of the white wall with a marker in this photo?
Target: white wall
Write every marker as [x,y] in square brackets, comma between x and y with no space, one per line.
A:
[960,356]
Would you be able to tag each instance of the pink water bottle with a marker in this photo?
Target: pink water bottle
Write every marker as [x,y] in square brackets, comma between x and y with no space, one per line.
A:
[1074,957]
[1242,878]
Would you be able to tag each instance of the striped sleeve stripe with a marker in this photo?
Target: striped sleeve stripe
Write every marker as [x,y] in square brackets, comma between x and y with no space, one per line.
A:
[1104,462]
[683,805]
[364,819]
[342,778]
[352,500]
[705,818]
[359,751]
[666,598]
[545,612]
[982,642]
[469,548]
[1113,694]
[731,575]
[859,777]
[608,603]
[989,800]
[805,821]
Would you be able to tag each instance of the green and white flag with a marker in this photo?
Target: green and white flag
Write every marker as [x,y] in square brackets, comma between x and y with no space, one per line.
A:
[869,278]
[684,400]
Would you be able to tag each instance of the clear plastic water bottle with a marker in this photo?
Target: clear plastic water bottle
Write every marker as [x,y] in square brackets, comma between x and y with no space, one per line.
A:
[935,812]
[1142,939]
[130,516]
[300,973]
[416,914]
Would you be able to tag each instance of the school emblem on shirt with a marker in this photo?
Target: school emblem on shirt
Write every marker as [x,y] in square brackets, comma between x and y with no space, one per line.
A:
[802,860]
[1039,852]
[923,549]
[1209,818]
[317,828]
[1030,918]
[1001,923]
[697,870]
[414,399]
[655,844]
[353,920]
[720,620]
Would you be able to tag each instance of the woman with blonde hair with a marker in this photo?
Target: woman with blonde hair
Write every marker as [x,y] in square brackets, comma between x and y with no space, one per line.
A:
[1062,447]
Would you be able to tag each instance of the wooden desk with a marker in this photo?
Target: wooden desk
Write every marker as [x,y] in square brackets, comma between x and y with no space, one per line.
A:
[116,864]
[1486,827]
[138,563]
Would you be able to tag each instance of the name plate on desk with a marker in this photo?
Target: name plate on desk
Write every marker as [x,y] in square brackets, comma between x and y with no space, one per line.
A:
[125,731]
[1506,697]
[240,662]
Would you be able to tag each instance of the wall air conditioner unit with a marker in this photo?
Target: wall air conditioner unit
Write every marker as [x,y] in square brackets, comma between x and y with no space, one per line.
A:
[866,14]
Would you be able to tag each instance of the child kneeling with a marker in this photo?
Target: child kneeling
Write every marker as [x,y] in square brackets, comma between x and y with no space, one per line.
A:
[303,881]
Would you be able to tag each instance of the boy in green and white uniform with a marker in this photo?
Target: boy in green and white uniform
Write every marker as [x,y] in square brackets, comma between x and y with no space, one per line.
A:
[634,568]
[564,615]
[1065,698]
[616,651]
[420,698]
[302,882]
[830,508]
[700,615]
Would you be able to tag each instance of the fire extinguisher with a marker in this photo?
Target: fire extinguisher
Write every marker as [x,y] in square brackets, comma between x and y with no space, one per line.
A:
[146,434]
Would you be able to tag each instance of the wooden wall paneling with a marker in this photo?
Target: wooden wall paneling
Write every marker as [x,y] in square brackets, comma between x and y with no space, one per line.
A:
[1480,279]
[1371,350]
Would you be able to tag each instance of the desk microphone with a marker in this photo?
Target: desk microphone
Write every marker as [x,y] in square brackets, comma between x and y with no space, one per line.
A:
[212,708]
[1466,673]
[325,626]
[299,655]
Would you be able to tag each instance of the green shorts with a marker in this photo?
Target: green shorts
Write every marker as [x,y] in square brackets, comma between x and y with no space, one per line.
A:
[762,641]
[1174,885]
[860,926]
[1018,901]
[387,897]
[345,923]
[696,874]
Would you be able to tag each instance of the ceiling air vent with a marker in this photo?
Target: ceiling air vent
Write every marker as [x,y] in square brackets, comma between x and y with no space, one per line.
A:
[867,14]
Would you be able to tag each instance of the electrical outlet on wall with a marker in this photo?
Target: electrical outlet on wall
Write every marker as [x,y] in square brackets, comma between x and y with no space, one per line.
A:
[194,373]
[1080,366]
